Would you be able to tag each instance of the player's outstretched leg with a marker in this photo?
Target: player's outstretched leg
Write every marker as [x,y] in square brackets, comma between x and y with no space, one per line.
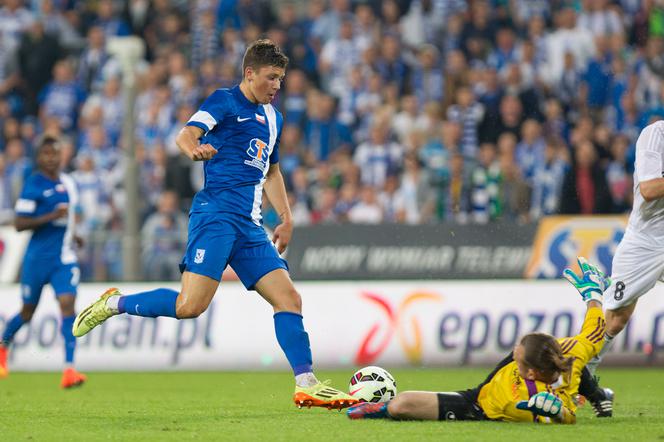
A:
[369,410]
[159,302]
[195,297]
[12,327]
[277,288]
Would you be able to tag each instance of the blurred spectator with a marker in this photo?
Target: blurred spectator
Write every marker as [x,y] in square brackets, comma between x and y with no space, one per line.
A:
[6,208]
[163,239]
[294,98]
[205,42]
[324,212]
[62,98]
[600,18]
[548,179]
[108,19]
[56,24]
[617,175]
[17,167]
[566,39]
[324,133]
[598,78]
[95,63]
[529,153]
[347,200]
[416,191]
[508,119]
[391,64]
[427,75]
[37,54]
[14,20]
[339,55]
[377,157]
[367,210]
[468,113]
[408,119]
[486,180]
[392,201]
[457,202]
[585,189]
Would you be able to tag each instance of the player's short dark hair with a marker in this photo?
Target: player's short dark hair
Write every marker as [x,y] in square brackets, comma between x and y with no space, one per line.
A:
[264,52]
[542,352]
[47,140]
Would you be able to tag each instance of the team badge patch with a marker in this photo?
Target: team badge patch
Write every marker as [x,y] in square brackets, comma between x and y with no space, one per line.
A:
[260,118]
[200,256]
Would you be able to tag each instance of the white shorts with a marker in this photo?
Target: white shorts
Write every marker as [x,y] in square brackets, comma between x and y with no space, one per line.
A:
[636,269]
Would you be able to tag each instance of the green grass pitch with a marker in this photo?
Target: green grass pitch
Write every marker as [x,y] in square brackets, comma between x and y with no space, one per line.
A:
[257,406]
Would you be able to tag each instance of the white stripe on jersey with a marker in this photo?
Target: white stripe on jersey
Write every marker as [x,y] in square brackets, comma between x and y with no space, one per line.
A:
[67,255]
[204,118]
[25,206]
[258,188]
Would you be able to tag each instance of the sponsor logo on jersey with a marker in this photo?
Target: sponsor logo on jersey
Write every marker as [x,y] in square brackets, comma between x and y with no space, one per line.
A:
[200,256]
[258,152]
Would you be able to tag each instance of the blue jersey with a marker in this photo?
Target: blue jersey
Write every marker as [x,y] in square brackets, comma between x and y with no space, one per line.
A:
[246,136]
[41,195]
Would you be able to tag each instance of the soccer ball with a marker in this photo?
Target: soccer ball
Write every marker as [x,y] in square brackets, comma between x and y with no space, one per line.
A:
[372,384]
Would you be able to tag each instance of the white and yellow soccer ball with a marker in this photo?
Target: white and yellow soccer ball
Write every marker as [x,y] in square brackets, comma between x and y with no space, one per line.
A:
[372,384]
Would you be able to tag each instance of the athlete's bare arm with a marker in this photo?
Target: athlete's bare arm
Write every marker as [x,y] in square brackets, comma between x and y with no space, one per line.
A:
[29,223]
[276,194]
[187,141]
[652,189]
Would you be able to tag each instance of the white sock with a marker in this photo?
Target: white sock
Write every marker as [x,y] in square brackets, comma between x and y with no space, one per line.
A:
[306,380]
[594,362]
[112,303]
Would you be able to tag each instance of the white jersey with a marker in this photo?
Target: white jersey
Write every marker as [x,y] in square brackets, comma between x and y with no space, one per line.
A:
[646,222]
[639,262]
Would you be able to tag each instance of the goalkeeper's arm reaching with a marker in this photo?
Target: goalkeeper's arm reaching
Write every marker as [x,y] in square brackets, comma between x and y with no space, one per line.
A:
[582,347]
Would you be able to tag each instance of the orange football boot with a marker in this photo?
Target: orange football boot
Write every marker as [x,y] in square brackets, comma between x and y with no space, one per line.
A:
[71,378]
[4,370]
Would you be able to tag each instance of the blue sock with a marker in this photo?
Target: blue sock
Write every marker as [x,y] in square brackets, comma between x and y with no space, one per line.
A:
[12,327]
[294,341]
[159,302]
[70,340]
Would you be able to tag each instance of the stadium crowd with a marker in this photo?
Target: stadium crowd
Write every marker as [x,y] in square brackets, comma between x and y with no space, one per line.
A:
[397,111]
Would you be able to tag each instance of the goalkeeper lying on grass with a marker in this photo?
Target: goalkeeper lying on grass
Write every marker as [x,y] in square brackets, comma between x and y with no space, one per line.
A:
[538,382]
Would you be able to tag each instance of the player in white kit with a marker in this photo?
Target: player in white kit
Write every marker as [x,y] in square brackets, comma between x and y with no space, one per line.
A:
[639,260]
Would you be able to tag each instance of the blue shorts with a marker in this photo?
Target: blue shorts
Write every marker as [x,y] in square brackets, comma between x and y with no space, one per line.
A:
[217,240]
[36,274]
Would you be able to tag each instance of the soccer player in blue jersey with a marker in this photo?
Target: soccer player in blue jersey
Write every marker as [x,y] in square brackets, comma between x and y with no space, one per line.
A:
[236,132]
[47,207]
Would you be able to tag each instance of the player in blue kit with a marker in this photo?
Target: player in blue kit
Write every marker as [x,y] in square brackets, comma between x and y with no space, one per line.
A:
[236,132]
[47,207]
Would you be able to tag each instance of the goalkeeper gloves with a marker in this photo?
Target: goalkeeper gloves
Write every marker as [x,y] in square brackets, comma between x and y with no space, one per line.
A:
[593,282]
[543,404]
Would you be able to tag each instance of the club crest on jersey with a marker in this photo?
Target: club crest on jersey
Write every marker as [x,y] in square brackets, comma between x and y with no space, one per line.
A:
[260,118]
[200,256]
[258,152]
